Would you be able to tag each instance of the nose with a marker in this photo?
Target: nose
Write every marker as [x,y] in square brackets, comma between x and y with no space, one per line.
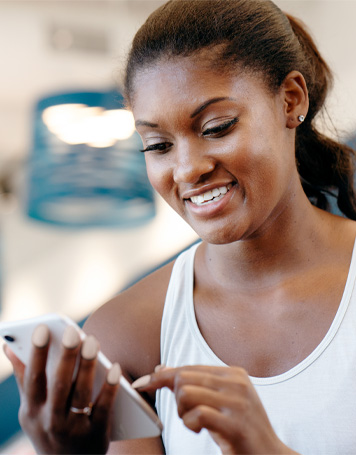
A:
[192,164]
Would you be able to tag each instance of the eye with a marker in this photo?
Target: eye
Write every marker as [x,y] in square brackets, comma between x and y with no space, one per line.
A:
[161,147]
[221,129]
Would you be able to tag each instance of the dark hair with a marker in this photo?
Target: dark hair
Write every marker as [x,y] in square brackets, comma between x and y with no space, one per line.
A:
[257,36]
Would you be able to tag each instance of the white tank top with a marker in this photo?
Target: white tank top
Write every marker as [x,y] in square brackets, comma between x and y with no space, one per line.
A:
[312,407]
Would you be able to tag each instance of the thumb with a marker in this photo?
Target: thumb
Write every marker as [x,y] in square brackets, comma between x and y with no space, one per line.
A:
[18,366]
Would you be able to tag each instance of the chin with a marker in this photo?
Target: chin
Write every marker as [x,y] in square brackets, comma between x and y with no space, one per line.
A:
[219,237]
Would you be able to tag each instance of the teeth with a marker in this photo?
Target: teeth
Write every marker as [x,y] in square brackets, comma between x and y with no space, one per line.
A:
[216,192]
[212,195]
[208,196]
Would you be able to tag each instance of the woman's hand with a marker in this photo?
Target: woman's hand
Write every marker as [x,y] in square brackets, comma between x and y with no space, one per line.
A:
[222,400]
[57,413]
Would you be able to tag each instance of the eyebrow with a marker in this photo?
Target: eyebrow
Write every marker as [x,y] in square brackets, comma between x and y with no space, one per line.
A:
[200,109]
[197,111]
[144,123]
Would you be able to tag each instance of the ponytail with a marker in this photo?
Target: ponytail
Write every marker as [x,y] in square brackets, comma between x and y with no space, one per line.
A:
[326,167]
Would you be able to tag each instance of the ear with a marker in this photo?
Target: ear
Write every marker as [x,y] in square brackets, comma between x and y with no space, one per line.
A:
[295,96]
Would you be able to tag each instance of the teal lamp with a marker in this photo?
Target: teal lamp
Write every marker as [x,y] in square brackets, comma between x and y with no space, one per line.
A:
[84,168]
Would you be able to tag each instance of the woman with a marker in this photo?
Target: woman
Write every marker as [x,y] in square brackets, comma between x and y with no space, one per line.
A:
[256,322]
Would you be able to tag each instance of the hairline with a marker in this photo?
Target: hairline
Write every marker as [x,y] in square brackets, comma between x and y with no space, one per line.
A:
[213,63]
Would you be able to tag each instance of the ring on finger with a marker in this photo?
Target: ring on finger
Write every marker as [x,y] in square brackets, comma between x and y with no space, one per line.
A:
[84,411]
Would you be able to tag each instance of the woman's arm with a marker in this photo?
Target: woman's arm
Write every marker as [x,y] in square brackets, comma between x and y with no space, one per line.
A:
[147,446]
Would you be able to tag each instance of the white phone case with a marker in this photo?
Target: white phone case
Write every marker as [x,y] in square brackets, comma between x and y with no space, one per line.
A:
[133,417]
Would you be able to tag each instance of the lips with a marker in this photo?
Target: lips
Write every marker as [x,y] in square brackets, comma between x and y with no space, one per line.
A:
[210,196]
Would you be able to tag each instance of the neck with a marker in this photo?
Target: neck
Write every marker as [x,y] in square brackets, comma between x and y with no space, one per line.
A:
[292,240]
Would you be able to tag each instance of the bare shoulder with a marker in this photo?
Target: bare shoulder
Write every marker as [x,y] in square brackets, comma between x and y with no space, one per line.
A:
[128,326]
[342,234]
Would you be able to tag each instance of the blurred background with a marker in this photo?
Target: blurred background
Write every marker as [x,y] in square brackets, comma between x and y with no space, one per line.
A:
[78,220]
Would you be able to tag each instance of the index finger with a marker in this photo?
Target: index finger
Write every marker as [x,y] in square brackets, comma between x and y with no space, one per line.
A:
[166,377]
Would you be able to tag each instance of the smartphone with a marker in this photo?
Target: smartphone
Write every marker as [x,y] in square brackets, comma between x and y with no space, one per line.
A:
[133,417]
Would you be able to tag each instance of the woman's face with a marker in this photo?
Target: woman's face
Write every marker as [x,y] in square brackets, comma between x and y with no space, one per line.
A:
[217,147]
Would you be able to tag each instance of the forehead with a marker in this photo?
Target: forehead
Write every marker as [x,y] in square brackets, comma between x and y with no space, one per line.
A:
[188,81]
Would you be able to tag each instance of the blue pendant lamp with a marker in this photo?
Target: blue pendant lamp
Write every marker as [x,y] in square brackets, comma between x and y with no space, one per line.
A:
[84,168]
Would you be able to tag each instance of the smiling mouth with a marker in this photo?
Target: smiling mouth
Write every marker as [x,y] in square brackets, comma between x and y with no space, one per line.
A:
[211,196]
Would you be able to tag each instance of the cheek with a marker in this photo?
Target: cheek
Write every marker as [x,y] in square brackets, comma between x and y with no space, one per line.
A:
[261,167]
[159,175]
[274,174]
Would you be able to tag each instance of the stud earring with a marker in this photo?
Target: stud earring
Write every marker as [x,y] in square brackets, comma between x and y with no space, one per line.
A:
[301,118]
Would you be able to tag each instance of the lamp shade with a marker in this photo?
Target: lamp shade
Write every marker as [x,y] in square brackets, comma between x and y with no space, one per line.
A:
[85,169]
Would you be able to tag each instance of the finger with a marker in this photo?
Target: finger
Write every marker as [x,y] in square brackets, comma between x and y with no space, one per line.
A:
[234,383]
[205,417]
[18,366]
[191,396]
[82,393]
[159,368]
[224,430]
[163,377]
[166,377]
[63,379]
[35,382]
[103,407]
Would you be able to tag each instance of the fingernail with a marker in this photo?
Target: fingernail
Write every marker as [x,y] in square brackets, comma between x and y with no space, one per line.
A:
[159,368]
[114,374]
[90,348]
[40,336]
[141,382]
[71,338]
